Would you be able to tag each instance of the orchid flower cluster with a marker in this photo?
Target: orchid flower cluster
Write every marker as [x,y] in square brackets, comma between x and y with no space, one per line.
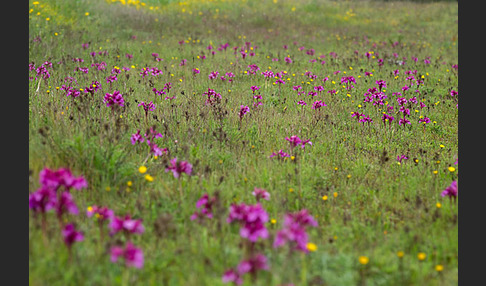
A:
[156,57]
[71,91]
[294,141]
[400,158]
[261,194]
[99,66]
[251,265]
[377,97]
[243,110]
[294,231]
[114,99]
[126,225]
[147,106]
[149,138]
[179,167]
[245,50]
[154,71]
[318,104]
[42,71]
[132,255]
[450,191]
[229,76]
[102,215]
[55,194]
[348,80]
[205,205]
[93,87]
[83,69]
[281,154]
[167,87]
[252,69]
[252,219]
[364,118]
[212,97]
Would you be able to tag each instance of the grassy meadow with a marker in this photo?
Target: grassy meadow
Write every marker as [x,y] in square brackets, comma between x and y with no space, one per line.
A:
[252,142]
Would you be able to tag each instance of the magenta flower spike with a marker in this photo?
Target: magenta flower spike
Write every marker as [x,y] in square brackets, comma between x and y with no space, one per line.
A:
[213,75]
[252,219]
[147,107]
[178,168]
[126,224]
[61,178]
[114,99]
[243,110]
[232,276]
[387,118]
[205,205]
[381,84]
[400,158]
[295,141]
[280,155]
[404,121]
[132,255]
[261,194]
[212,97]
[424,120]
[101,213]
[294,230]
[136,138]
[450,191]
[253,264]
[65,204]
[42,200]
[70,235]
[111,78]
[319,88]
[318,104]
[366,119]
[93,87]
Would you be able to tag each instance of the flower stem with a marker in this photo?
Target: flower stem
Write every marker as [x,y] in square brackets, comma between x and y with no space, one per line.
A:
[303,271]
[100,226]
[180,187]
[38,86]
[44,228]
[125,277]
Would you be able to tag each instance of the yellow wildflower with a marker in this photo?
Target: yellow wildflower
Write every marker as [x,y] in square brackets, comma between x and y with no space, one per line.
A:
[364,260]
[311,246]
[149,178]
[421,256]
